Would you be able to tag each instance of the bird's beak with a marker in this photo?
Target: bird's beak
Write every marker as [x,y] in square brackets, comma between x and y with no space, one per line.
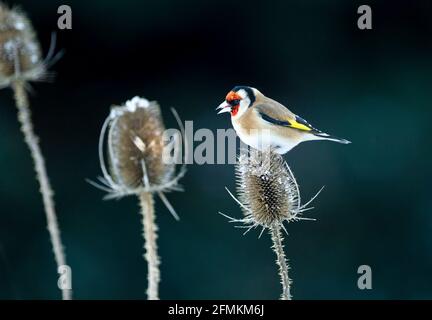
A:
[223,107]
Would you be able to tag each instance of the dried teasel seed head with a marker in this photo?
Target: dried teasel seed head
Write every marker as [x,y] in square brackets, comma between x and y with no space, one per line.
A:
[20,53]
[267,188]
[135,142]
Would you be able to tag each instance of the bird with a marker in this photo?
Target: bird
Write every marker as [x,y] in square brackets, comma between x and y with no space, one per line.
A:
[262,122]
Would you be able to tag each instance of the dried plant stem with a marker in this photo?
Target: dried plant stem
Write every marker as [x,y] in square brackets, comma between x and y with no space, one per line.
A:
[150,245]
[24,117]
[281,261]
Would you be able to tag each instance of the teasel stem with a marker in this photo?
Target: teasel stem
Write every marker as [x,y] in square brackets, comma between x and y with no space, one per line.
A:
[150,236]
[24,117]
[281,261]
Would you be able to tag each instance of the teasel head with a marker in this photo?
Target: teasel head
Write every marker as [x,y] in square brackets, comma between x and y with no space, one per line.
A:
[269,195]
[20,52]
[267,191]
[267,188]
[132,140]
[21,62]
[136,144]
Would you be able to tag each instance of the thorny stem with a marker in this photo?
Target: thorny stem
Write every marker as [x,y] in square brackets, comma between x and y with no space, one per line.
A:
[281,261]
[24,117]
[150,245]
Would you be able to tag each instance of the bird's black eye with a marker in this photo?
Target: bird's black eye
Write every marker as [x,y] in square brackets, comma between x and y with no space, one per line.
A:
[234,102]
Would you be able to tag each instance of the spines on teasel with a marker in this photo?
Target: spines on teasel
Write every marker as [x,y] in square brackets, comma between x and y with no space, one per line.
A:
[136,145]
[267,188]
[20,52]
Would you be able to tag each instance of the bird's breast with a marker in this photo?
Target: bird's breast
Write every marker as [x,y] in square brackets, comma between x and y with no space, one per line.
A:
[259,134]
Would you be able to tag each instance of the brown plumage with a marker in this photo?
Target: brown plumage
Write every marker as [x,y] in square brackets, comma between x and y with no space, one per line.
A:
[261,122]
[252,121]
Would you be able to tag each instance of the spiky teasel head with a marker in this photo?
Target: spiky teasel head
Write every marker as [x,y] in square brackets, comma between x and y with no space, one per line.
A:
[267,190]
[135,149]
[20,53]
[136,144]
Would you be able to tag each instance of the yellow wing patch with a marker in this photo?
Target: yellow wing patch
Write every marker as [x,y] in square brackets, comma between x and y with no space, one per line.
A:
[298,125]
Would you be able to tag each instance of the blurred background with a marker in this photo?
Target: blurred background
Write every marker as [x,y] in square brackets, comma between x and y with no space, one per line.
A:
[372,87]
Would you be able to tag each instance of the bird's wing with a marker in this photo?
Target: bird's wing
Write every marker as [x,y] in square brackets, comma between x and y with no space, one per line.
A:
[277,114]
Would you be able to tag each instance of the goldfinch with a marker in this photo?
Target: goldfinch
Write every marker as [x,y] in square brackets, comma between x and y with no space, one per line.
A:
[261,122]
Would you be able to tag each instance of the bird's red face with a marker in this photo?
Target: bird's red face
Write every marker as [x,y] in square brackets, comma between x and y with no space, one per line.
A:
[231,103]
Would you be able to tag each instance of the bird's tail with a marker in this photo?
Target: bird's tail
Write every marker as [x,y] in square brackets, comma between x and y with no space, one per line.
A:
[324,136]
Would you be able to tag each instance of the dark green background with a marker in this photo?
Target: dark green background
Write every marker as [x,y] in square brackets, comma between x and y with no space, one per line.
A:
[372,87]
